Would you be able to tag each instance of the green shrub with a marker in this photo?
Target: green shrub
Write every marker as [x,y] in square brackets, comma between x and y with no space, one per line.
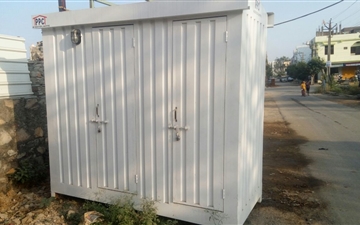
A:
[73,219]
[345,89]
[29,172]
[337,89]
[123,212]
[354,90]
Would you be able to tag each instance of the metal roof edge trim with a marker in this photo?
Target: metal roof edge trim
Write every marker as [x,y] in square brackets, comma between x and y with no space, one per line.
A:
[137,11]
[14,38]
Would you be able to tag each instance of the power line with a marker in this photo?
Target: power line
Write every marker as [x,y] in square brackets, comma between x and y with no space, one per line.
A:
[355,23]
[309,13]
[344,10]
[351,15]
[354,11]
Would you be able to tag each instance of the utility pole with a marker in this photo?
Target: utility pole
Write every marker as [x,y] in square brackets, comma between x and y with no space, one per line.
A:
[328,63]
[62,5]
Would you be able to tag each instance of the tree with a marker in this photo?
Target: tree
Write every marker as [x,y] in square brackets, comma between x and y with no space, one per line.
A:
[299,71]
[291,70]
[302,71]
[269,70]
[280,65]
[315,65]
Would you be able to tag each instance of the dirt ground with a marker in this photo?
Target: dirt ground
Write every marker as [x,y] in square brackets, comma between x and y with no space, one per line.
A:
[290,194]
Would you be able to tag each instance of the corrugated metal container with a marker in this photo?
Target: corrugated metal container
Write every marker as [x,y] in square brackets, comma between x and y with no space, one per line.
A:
[14,72]
[160,100]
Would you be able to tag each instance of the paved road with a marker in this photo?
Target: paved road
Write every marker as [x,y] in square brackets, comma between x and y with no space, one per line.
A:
[335,129]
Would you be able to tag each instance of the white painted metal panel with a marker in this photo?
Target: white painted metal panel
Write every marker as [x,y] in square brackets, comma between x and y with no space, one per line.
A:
[210,68]
[199,51]
[14,73]
[70,106]
[251,110]
[152,110]
[114,67]
[140,11]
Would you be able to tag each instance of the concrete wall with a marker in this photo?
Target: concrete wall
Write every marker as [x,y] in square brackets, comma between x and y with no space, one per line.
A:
[23,126]
[342,48]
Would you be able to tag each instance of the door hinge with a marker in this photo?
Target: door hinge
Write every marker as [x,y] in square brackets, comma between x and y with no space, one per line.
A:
[133,42]
[136,178]
[226,36]
[223,193]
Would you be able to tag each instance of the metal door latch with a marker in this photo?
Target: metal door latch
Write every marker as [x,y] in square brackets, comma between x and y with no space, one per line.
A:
[99,122]
[177,129]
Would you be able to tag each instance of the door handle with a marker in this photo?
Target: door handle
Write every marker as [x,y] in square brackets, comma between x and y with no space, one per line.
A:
[95,120]
[175,114]
[97,110]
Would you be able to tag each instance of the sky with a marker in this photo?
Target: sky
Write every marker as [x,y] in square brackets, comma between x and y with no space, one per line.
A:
[15,17]
[284,38]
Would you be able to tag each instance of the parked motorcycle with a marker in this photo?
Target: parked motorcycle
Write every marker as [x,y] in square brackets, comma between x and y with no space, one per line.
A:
[339,80]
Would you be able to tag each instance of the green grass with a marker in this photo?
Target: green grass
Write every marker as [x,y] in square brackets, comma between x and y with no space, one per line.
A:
[122,212]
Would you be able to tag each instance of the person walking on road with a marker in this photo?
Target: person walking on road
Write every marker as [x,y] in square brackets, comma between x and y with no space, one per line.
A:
[308,83]
[303,88]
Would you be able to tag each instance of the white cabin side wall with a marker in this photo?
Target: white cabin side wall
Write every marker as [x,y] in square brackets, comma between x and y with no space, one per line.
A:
[252,63]
[232,123]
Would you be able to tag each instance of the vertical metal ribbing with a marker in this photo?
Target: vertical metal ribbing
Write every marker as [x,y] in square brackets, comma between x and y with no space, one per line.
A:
[84,117]
[114,62]
[57,105]
[182,108]
[77,157]
[104,172]
[211,114]
[113,109]
[197,54]
[199,58]
[153,122]
[124,105]
[141,110]
[164,103]
[65,108]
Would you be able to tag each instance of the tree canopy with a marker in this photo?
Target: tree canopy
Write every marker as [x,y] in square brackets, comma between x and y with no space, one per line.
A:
[299,71]
[280,65]
[268,69]
[315,65]
[302,70]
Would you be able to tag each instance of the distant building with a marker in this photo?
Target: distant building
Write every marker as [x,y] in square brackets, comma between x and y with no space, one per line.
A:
[287,63]
[345,50]
[302,53]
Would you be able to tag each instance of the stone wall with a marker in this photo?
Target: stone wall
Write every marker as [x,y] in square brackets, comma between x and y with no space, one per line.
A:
[23,127]
[36,69]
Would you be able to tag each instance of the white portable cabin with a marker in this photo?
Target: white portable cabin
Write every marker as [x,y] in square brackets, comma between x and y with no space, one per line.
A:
[14,72]
[160,100]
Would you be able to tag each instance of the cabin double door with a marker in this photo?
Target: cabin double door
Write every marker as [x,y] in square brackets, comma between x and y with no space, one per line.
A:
[186,168]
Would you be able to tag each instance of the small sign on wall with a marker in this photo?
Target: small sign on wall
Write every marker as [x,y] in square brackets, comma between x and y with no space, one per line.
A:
[39,21]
